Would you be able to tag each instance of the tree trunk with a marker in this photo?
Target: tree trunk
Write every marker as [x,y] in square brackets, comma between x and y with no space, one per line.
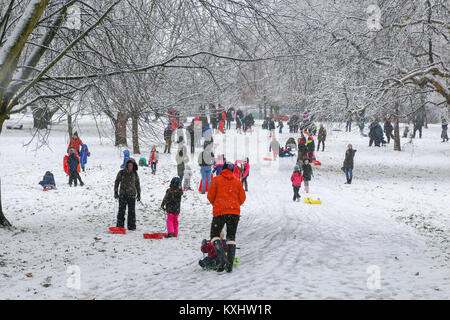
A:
[70,125]
[397,145]
[135,133]
[260,112]
[120,125]
[3,221]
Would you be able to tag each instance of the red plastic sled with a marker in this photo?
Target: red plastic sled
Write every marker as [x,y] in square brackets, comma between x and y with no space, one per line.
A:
[317,162]
[268,159]
[206,186]
[154,235]
[65,164]
[117,230]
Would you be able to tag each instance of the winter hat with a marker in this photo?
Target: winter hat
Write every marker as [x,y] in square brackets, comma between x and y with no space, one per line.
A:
[71,150]
[229,166]
[76,134]
[306,160]
[296,168]
[349,145]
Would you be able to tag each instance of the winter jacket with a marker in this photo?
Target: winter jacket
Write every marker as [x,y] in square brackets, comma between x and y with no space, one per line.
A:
[348,161]
[128,180]
[218,168]
[226,194]
[378,132]
[126,156]
[296,179]
[173,124]
[271,125]
[322,134]
[388,128]
[168,133]
[73,162]
[307,172]
[172,200]
[206,158]
[84,153]
[302,152]
[154,156]
[76,144]
[310,146]
[48,180]
[237,171]
[246,170]
[209,248]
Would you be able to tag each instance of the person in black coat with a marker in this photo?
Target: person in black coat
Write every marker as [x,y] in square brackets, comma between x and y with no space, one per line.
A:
[48,182]
[73,162]
[307,174]
[388,128]
[348,163]
[171,204]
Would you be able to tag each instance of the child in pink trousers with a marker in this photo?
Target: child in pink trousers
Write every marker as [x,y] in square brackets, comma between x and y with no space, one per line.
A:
[171,204]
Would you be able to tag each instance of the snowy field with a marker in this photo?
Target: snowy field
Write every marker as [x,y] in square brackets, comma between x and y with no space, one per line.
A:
[394,218]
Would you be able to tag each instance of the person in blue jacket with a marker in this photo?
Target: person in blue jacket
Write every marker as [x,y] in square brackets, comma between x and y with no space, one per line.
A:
[126,156]
[84,153]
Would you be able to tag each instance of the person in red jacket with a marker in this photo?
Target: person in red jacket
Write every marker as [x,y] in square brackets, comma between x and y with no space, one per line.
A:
[296,180]
[211,261]
[226,195]
[75,142]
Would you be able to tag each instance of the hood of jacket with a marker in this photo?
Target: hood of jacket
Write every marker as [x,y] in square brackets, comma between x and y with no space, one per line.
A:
[84,146]
[175,183]
[227,174]
[135,166]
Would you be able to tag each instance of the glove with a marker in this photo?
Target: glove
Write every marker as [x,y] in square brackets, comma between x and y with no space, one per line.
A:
[116,195]
[138,198]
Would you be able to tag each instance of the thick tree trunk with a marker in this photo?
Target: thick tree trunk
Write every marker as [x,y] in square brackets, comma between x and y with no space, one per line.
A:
[135,133]
[397,145]
[70,125]
[3,221]
[120,125]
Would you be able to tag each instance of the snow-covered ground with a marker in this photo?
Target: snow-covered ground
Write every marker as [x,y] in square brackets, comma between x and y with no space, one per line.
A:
[393,219]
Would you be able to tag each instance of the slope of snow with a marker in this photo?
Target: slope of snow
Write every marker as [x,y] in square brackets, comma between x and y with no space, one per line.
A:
[394,216]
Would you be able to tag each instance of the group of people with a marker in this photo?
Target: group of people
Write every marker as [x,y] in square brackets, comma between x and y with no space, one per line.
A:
[76,160]
[225,192]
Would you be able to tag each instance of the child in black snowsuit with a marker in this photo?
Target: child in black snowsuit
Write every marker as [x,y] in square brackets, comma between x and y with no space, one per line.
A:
[171,203]
[73,162]
[307,173]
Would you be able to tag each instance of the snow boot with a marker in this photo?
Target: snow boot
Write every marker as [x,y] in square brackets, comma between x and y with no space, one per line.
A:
[230,257]
[223,262]
[170,235]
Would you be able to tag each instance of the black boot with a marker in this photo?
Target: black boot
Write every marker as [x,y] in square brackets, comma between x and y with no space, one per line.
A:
[223,262]
[349,181]
[230,256]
